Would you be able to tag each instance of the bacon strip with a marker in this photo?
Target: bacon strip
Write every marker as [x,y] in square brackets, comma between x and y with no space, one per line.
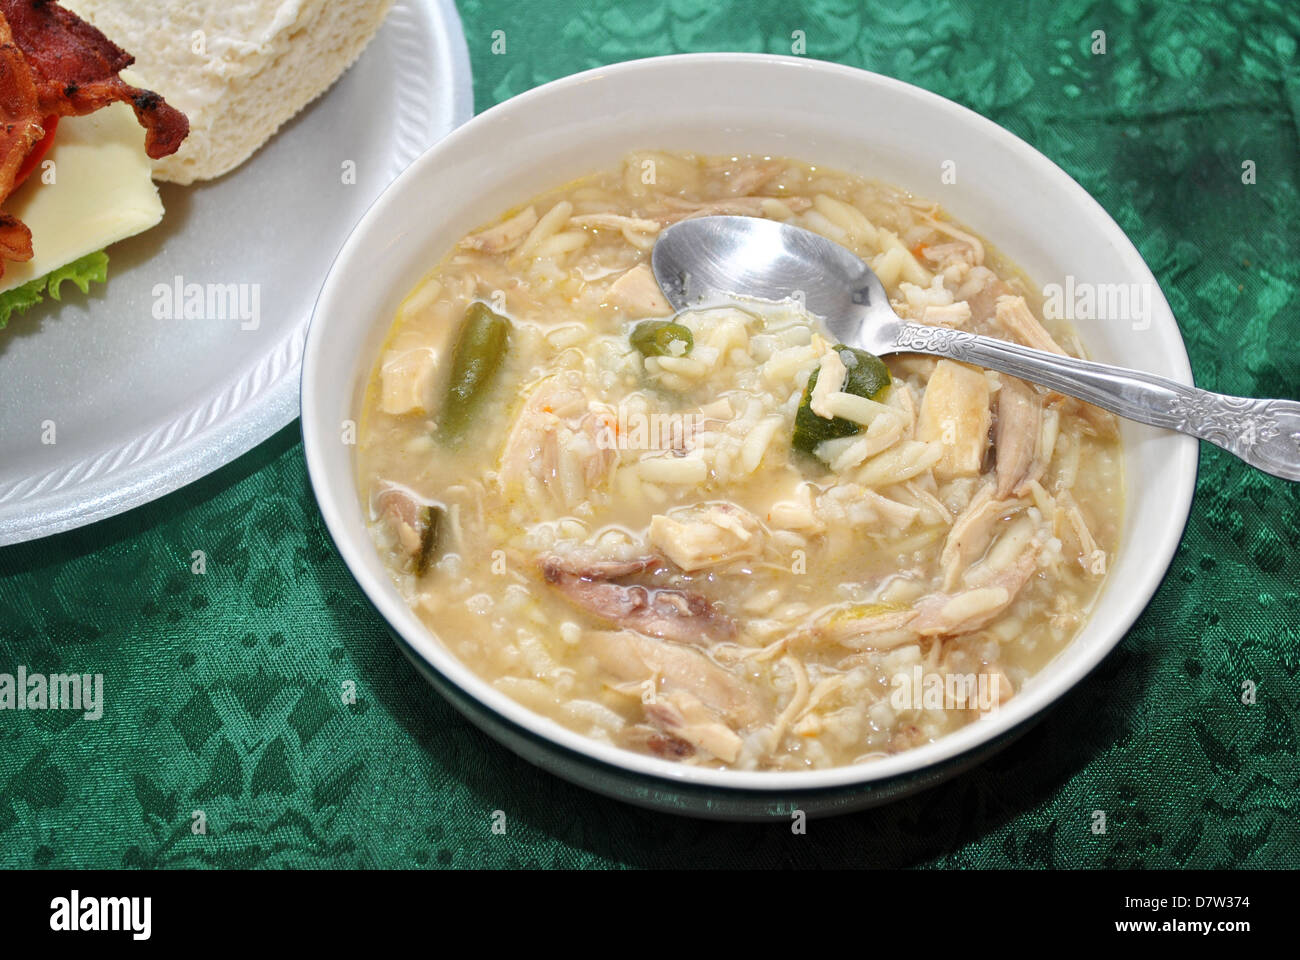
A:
[53,63]
[75,68]
[20,130]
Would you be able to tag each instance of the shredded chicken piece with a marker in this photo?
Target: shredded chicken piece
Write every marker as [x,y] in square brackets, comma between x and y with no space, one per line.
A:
[1017,438]
[633,658]
[615,221]
[824,690]
[955,256]
[955,413]
[751,178]
[683,716]
[1018,321]
[670,614]
[993,585]
[506,235]
[901,399]
[736,207]
[900,516]
[1101,423]
[595,569]
[798,700]
[1073,530]
[982,288]
[706,535]
[878,630]
[407,381]
[797,514]
[656,741]
[955,314]
[1012,558]
[637,293]
[728,653]
[925,498]
[693,699]
[400,507]
[977,248]
[560,445]
[973,531]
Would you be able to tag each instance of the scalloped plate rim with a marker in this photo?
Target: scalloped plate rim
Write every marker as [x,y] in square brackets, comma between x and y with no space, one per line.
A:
[264,397]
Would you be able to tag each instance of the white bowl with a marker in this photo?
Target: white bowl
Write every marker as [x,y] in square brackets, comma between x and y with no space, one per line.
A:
[734,104]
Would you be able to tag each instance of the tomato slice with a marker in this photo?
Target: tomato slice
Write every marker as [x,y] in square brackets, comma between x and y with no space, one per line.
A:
[33,159]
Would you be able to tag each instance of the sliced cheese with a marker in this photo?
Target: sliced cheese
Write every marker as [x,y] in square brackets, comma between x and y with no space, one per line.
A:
[101,192]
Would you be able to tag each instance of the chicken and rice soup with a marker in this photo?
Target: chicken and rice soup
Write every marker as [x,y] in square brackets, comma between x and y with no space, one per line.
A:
[720,537]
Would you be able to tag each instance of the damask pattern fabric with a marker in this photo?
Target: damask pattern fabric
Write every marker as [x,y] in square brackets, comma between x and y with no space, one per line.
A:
[256,713]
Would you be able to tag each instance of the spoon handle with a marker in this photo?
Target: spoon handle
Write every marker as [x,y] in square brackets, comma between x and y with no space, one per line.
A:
[1264,433]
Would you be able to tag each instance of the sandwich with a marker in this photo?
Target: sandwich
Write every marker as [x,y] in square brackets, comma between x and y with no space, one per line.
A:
[239,71]
[77,144]
[75,178]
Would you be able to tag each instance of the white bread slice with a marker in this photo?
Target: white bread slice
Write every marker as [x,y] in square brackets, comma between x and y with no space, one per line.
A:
[239,69]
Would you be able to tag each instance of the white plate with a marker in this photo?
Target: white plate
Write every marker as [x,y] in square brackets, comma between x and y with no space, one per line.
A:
[139,406]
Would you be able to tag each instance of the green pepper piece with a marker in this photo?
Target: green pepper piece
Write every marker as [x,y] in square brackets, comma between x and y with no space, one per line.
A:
[430,520]
[865,376]
[653,338]
[479,351]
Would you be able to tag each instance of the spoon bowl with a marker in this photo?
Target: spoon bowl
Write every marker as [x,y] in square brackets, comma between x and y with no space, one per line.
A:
[712,261]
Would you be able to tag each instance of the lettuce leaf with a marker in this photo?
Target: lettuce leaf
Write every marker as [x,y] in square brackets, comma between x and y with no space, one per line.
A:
[92,268]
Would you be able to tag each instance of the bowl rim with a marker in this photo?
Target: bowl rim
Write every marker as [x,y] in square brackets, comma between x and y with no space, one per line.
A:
[1025,706]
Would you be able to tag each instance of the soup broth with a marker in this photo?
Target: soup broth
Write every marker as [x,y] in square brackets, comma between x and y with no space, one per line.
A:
[720,537]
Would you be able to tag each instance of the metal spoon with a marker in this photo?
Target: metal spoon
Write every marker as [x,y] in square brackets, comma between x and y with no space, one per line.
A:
[710,261]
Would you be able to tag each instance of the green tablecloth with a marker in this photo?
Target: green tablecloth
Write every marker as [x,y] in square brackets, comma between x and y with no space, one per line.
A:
[223,690]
